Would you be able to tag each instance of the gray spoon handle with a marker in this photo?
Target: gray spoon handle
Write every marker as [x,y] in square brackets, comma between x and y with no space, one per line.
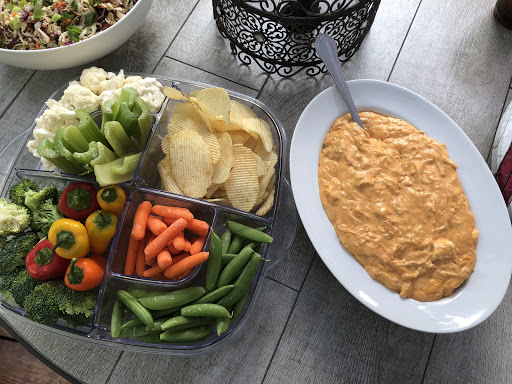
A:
[326,48]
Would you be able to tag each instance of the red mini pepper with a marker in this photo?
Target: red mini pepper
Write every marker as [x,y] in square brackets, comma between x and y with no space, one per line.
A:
[44,264]
[78,200]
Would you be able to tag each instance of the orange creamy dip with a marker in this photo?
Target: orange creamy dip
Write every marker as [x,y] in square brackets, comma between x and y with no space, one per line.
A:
[397,205]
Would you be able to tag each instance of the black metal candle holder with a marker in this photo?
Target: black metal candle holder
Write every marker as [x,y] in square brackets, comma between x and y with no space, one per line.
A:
[279,35]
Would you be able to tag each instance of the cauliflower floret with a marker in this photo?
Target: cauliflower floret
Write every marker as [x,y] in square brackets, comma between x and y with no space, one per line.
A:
[107,95]
[112,81]
[80,97]
[92,78]
[150,90]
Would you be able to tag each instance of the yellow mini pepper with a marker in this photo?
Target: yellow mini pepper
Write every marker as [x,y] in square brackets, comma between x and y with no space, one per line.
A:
[111,199]
[101,227]
[69,238]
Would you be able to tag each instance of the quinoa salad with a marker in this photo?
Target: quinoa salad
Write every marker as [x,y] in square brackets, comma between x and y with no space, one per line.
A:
[40,24]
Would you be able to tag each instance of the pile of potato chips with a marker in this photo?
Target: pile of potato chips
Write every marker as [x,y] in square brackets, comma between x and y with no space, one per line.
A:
[217,149]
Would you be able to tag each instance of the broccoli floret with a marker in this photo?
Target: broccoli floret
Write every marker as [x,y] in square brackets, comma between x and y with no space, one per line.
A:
[13,218]
[34,200]
[22,286]
[51,300]
[7,280]
[41,304]
[13,254]
[45,216]
[18,190]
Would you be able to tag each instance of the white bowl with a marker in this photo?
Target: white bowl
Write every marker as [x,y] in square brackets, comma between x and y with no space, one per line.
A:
[84,51]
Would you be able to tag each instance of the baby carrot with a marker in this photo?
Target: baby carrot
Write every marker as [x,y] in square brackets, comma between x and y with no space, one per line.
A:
[179,241]
[187,245]
[172,212]
[153,248]
[131,255]
[197,245]
[168,220]
[154,271]
[177,259]
[199,227]
[156,225]
[140,220]
[164,259]
[184,274]
[171,248]
[188,263]
[140,265]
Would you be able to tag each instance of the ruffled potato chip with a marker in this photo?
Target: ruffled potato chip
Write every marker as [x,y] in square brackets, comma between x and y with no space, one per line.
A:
[267,204]
[239,137]
[191,163]
[169,184]
[223,167]
[261,165]
[174,94]
[258,127]
[239,111]
[214,102]
[242,187]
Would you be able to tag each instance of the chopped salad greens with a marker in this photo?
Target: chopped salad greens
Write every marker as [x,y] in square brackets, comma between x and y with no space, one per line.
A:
[40,24]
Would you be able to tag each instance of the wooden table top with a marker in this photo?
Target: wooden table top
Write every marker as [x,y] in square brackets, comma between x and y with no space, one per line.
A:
[306,327]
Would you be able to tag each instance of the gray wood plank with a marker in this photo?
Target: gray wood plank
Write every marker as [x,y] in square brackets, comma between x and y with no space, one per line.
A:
[332,338]
[463,64]
[242,360]
[200,44]
[67,353]
[479,355]
[12,81]
[179,70]
[288,98]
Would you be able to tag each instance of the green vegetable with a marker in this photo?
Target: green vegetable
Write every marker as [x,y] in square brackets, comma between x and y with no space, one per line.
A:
[22,286]
[74,33]
[13,253]
[243,282]
[45,216]
[74,5]
[214,295]
[64,149]
[117,171]
[105,155]
[137,309]
[13,218]
[239,306]
[46,149]
[222,324]
[187,334]
[153,337]
[249,233]
[86,157]
[18,190]
[127,96]
[107,113]
[127,119]
[231,270]
[214,260]
[38,10]
[34,200]
[7,279]
[228,257]
[181,322]
[75,139]
[236,244]
[55,18]
[118,138]
[225,241]
[145,122]
[90,18]
[205,310]
[15,23]
[117,318]
[131,323]
[172,299]
[41,304]
[88,127]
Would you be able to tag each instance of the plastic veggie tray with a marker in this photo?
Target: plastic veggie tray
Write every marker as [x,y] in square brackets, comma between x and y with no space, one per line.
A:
[18,163]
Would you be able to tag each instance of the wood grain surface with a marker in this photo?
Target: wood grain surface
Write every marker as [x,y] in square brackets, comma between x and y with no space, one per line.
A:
[305,327]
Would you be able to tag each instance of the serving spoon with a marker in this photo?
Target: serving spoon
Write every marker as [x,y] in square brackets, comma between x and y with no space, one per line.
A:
[326,49]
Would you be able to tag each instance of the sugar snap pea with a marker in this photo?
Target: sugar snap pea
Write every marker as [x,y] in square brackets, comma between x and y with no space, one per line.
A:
[187,334]
[153,337]
[225,240]
[205,310]
[239,306]
[132,323]
[214,295]
[157,325]
[229,272]
[214,260]
[141,330]
[182,322]
[227,257]
[243,282]
[236,244]
[136,307]
[172,299]
[166,312]
[138,293]
[249,233]
[222,325]
[117,318]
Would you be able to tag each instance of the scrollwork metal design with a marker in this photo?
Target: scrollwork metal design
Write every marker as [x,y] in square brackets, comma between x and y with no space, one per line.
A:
[278,35]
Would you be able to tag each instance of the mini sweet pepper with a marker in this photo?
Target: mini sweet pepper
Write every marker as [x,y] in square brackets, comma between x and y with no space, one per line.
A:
[101,227]
[70,238]
[111,199]
[44,264]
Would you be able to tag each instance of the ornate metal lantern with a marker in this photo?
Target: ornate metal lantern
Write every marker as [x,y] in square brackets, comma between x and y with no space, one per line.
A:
[279,34]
